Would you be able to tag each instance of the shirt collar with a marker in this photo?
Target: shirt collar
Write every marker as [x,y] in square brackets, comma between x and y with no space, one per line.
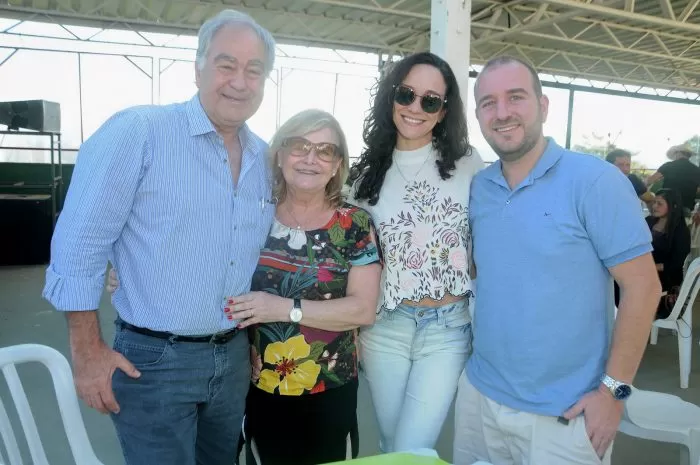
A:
[198,120]
[201,124]
[550,157]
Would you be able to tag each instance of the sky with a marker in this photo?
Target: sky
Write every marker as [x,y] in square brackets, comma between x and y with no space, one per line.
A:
[304,77]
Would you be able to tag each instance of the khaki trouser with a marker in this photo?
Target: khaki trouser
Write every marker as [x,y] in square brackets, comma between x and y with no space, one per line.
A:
[488,431]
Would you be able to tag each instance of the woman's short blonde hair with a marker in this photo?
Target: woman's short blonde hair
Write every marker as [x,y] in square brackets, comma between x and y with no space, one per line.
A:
[300,125]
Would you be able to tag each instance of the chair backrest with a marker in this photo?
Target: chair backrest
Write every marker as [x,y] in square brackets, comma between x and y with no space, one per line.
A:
[688,292]
[67,403]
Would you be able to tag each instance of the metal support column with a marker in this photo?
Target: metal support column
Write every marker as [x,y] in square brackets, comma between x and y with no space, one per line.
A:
[450,29]
[569,118]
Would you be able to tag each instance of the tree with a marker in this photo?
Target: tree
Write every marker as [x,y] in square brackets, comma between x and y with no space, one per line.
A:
[694,144]
[597,144]
[600,145]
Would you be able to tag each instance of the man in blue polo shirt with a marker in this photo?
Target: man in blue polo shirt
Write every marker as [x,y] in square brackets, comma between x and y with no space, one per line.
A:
[551,366]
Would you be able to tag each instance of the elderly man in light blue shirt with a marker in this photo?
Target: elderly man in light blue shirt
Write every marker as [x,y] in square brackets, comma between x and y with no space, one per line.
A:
[552,228]
[177,197]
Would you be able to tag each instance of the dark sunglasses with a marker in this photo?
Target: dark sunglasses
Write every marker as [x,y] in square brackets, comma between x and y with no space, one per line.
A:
[430,103]
[300,147]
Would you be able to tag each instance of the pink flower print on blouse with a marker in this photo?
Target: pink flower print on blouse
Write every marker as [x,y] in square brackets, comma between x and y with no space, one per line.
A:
[415,259]
[458,259]
[450,238]
[323,275]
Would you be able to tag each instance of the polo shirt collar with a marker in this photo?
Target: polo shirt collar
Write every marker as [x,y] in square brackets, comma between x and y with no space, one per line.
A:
[549,158]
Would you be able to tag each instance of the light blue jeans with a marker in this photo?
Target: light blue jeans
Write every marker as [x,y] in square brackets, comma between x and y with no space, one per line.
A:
[413,358]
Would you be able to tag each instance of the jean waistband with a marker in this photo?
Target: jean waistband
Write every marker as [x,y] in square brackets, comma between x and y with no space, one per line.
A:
[430,308]
[218,338]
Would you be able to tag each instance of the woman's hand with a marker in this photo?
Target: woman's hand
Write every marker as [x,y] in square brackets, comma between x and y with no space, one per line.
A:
[112,281]
[257,307]
[256,364]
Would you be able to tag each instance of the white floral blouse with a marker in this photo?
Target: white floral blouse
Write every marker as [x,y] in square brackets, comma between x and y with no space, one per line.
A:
[423,228]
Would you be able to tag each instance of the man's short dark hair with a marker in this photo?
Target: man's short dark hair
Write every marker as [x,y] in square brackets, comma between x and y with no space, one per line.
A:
[506,60]
[617,153]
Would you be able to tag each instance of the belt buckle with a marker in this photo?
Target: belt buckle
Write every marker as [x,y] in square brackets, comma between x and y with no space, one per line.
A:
[223,338]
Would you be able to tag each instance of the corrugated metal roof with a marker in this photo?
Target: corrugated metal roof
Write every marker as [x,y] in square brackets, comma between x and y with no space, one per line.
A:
[639,42]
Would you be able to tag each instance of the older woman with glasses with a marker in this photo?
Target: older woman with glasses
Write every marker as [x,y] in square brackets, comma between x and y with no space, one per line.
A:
[316,282]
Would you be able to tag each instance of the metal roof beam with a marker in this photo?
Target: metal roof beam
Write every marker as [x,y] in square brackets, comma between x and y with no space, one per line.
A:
[614,48]
[690,85]
[373,9]
[689,8]
[535,23]
[612,61]
[609,12]
[667,9]
[525,27]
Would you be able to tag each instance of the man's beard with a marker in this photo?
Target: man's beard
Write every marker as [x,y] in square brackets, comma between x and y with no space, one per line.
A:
[532,135]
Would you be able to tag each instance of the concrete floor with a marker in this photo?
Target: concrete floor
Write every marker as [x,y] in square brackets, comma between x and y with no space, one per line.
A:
[26,318]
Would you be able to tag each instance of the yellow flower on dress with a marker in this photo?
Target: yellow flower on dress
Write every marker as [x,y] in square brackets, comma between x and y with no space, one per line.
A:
[290,376]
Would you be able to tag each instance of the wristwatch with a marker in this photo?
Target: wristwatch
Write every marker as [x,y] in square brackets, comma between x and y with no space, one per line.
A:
[619,390]
[295,313]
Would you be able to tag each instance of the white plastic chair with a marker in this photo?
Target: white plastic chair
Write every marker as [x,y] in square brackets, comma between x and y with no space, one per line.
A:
[67,402]
[684,325]
[666,418]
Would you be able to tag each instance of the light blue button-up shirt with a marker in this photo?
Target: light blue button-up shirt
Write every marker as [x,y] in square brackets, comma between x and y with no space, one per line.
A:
[152,192]
[544,300]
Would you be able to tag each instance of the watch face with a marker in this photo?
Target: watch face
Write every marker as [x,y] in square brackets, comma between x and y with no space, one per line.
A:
[295,315]
[623,392]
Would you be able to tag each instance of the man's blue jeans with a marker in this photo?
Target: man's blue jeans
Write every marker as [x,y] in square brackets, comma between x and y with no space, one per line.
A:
[187,406]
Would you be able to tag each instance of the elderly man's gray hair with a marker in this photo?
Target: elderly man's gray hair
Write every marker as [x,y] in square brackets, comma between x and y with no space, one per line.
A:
[233,18]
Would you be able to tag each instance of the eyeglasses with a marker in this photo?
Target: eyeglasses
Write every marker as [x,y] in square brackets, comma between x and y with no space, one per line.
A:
[300,147]
[430,103]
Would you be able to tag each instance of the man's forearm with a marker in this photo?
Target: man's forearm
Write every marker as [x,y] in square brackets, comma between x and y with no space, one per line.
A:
[84,328]
[636,313]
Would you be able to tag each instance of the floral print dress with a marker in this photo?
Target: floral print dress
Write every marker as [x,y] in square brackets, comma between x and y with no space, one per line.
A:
[310,265]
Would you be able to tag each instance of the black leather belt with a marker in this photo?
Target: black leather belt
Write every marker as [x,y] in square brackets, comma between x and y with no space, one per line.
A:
[218,338]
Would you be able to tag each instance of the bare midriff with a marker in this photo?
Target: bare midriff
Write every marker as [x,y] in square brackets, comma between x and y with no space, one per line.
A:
[430,302]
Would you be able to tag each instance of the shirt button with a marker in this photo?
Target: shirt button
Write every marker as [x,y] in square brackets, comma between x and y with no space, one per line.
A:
[507,202]
[421,313]
[225,160]
[232,262]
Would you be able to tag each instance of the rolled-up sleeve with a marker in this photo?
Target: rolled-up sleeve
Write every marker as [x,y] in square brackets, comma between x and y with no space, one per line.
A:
[614,220]
[105,181]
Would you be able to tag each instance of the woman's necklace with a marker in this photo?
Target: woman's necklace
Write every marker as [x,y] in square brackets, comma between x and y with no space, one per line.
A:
[289,210]
[417,172]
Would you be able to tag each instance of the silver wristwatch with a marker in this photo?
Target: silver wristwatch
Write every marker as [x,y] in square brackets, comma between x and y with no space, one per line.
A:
[295,314]
[619,390]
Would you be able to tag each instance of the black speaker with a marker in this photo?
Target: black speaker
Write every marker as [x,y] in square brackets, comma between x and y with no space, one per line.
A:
[25,229]
[37,115]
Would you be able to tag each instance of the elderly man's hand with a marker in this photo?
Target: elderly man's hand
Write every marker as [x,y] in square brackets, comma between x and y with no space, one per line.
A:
[93,370]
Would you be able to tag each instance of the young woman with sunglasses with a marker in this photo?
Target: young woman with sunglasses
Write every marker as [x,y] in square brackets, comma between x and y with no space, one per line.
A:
[414,177]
